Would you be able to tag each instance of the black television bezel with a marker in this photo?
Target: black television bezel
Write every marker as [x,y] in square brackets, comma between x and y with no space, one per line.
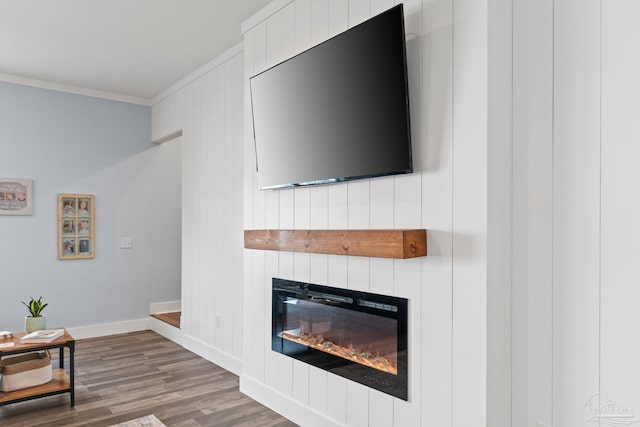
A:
[334,180]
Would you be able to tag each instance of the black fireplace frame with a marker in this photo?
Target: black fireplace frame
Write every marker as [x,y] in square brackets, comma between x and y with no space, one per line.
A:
[380,305]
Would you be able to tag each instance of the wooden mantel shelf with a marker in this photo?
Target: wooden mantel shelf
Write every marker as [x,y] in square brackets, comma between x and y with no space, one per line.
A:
[399,244]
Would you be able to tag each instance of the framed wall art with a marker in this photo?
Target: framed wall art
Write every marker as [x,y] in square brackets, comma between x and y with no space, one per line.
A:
[76,226]
[16,196]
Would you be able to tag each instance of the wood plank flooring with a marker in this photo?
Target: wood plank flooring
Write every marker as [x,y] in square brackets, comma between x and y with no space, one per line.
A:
[127,376]
[171,318]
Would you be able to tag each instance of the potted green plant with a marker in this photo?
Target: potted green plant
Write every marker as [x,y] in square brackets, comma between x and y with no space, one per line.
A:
[36,320]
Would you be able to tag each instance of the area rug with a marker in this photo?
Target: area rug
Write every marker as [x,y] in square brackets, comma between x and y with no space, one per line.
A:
[148,421]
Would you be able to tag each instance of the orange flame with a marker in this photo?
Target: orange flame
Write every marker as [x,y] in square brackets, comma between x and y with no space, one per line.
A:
[362,357]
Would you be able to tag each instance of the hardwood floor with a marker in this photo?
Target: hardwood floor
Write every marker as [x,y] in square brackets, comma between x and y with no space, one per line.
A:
[127,376]
[171,318]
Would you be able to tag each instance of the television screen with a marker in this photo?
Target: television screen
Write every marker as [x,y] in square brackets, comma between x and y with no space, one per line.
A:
[336,112]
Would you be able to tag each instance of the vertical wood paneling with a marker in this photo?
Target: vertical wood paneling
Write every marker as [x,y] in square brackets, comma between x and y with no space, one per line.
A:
[287,32]
[320,20]
[337,201]
[209,305]
[448,101]
[271,359]
[250,178]
[576,205]
[338,274]
[319,219]
[338,219]
[532,288]
[187,220]
[303,27]
[381,281]
[423,199]
[358,218]
[198,206]
[211,112]
[285,208]
[249,185]
[380,409]
[338,18]
[285,375]
[272,40]
[258,346]
[318,383]
[219,270]
[379,6]
[301,385]
[381,203]
[469,213]
[259,61]
[407,209]
[499,208]
[358,204]
[357,405]
[437,164]
[231,231]
[359,11]
[619,370]
[337,398]
[302,208]
[237,291]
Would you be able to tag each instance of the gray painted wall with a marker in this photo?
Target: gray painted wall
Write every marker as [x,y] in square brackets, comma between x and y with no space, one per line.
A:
[77,144]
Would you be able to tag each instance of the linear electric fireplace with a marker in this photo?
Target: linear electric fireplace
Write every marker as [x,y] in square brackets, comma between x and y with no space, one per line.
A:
[357,335]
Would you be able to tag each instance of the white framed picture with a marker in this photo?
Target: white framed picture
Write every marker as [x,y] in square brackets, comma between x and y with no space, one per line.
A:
[16,196]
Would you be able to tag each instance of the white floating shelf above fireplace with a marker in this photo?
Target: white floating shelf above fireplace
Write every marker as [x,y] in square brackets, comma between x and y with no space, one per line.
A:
[399,244]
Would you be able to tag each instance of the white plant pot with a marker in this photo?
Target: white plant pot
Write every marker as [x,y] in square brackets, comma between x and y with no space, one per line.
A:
[34,323]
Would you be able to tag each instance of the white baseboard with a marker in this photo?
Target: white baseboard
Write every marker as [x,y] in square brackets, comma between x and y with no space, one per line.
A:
[93,331]
[165,307]
[194,345]
[285,406]
[166,330]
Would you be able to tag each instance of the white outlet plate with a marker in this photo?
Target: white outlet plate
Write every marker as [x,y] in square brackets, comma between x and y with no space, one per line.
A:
[126,242]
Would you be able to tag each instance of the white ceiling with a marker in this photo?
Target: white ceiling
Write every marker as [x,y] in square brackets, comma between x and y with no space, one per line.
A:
[135,48]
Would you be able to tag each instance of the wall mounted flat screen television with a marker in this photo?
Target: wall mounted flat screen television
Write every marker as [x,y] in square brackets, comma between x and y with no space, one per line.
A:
[336,112]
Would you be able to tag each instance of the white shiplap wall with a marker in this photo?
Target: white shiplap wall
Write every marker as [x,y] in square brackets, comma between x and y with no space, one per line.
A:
[575,219]
[212,239]
[620,206]
[207,108]
[576,216]
[576,203]
[448,289]
[532,293]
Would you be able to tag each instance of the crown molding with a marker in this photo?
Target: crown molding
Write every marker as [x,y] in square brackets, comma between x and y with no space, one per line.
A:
[60,87]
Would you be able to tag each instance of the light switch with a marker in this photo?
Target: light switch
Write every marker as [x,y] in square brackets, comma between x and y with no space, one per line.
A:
[126,243]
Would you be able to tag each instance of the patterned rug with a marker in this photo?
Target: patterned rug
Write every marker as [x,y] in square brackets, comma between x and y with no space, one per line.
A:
[148,421]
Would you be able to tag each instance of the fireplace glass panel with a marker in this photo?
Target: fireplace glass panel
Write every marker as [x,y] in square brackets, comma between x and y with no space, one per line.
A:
[357,335]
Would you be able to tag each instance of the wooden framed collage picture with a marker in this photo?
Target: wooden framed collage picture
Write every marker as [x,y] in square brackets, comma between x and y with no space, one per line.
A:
[76,226]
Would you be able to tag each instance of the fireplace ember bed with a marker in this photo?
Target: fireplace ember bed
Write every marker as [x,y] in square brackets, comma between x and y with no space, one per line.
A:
[357,335]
